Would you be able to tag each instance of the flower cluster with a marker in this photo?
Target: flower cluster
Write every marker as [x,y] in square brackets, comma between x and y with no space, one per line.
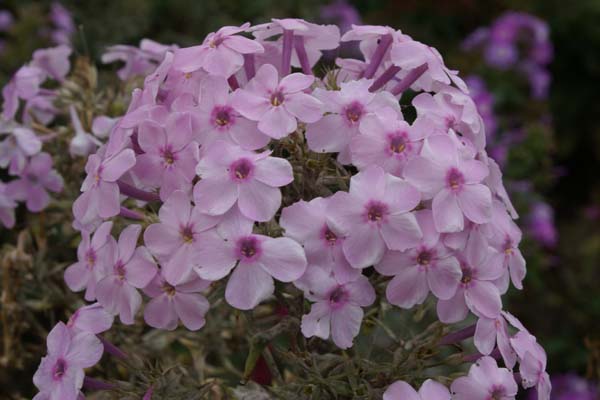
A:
[29,104]
[222,140]
[517,41]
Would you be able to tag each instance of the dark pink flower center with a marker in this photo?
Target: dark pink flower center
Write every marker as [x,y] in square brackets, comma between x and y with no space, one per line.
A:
[376,211]
[277,98]
[32,178]
[168,155]
[353,112]
[120,270]
[248,248]
[60,368]
[222,116]
[90,258]
[425,257]
[497,392]
[338,297]
[467,274]
[329,236]
[168,289]
[397,142]
[241,169]
[187,233]
[454,179]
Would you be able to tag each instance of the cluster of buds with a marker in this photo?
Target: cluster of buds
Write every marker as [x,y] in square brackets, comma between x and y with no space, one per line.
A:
[262,171]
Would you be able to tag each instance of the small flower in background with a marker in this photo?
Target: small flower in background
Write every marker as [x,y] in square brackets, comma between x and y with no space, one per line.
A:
[64,26]
[569,386]
[540,224]
[341,13]
[6,20]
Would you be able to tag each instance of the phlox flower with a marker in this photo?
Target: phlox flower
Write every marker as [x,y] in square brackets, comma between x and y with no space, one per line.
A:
[60,374]
[275,103]
[430,390]
[92,318]
[171,303]
[375,216]
[485,381]
[53,61]
[100,195]
[128,269]
[231,175]
[35,180]
[17,147]
[504,235]
[91,259]
[387,141]
[221,53]
[490,332]
[428,266]
[218,119]
[476,291]
[337,308]
[181,237]
[309,224]
[454,184]
[83,143]
[347,109]
[170,154]
[257,260]
[532,364]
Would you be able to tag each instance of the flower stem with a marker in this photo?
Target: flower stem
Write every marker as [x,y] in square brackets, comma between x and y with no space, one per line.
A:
[233,82]
[384,43]
[409,79]
[136,193]
[286,53]
[112,349]
[458,336]
[302,56]
[127,213]
[387,75]
[95,384]
[249,66]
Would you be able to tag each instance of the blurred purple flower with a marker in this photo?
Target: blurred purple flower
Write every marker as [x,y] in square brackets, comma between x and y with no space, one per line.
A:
[540,224]
[341,14]
[63,21]
[484,100]
[570,387]
[6,20]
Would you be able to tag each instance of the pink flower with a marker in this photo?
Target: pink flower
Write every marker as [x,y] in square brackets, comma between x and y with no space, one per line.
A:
[218,119]
[170,154]
[276,104]
[171,303]
[53,61]
[128,268]
[100,195]
[387,141]
[179,240]
[454,184]
[231,175]
[532,364]
[36,178]
[430,390]
[336,310]
[60,374]
[429,266]
[347,109]
[92,256]
[492,331]
[375,216]
[92,318]
[139,61]
[259,259]
[83,143]
[504,235]
[15,149]
[310,224]
[476,290]
[485,381]
[7,208]
[220,54]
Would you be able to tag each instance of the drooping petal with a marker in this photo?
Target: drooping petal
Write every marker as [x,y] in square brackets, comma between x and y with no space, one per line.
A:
[401,390]
[283,258]
[345,325]
[364,247]
[444,277]
[476,202]
[447,214]
[317,322]
[408,287]
[258,201]
[248,285]
[190,308]
[160,313]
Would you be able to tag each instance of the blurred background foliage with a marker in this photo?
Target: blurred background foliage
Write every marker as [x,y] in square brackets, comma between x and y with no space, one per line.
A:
[558,160]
